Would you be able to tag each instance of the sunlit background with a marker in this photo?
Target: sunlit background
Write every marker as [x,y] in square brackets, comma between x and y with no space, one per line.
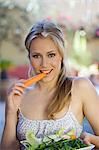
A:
[79,20]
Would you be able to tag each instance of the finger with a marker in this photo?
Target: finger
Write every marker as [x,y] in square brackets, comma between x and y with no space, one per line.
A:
[86,141]
[82,135]
[10,90]
[22,80]
[20,89]
[16,92]
[20,84]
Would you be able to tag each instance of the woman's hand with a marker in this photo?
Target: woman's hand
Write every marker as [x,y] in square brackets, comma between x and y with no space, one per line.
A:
[87,138]
[90,139]
[15,95]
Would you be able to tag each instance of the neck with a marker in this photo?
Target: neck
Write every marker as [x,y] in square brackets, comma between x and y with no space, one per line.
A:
[47,86]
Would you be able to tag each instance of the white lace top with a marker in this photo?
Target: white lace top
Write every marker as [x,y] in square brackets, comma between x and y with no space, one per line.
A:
[46,127]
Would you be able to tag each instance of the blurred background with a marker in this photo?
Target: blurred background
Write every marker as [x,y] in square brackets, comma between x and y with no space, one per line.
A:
[79,20]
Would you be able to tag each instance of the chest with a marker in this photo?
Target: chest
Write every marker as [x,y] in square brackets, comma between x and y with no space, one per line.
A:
[35,105]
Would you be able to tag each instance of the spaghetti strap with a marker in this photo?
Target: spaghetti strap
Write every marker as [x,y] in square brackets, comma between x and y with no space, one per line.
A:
[72,87]
[69,108]
[71,91]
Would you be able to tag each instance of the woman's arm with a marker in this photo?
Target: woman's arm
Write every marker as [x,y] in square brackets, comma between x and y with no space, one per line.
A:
[9,139]
[90,100]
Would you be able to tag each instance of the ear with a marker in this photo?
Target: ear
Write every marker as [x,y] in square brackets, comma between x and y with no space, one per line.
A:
[29,54]
[31,72]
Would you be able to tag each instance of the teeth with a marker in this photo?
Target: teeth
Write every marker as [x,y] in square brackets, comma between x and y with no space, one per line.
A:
[46,72]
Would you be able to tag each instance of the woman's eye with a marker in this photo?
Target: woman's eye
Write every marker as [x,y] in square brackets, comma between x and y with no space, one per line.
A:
[51,55]
[36,56]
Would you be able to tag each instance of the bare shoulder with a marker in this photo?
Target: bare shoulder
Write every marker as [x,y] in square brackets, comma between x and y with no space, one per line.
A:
[85,89]
[83,83]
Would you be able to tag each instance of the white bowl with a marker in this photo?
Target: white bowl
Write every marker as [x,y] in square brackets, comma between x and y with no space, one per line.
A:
[87,148]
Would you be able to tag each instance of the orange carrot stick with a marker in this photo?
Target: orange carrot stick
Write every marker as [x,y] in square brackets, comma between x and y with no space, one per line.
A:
[34,79]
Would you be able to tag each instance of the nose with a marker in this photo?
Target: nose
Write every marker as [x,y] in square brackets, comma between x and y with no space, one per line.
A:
[44,62]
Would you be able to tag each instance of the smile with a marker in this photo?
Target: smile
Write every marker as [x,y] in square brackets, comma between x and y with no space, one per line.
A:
[47,72]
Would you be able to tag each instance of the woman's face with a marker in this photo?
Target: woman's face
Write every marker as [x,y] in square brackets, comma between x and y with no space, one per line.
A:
[45,57]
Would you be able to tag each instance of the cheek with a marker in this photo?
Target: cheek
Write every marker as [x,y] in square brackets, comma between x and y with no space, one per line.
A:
[34,64]
[57,64]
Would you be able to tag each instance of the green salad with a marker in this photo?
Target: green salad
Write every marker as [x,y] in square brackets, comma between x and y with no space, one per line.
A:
[53,142]
[62,144]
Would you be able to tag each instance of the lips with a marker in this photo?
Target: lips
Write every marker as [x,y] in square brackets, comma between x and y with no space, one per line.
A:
[46,71]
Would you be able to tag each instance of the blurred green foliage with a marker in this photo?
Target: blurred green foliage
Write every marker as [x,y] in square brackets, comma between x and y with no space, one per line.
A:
[5,64]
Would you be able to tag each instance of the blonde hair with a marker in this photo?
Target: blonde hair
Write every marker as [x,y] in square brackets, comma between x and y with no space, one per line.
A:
[47,28]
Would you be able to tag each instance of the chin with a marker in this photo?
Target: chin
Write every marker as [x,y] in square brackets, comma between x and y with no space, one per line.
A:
[49,78]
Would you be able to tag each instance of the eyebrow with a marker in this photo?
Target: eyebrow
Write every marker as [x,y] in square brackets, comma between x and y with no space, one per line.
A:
[40,53]
[51,51]
[36,53]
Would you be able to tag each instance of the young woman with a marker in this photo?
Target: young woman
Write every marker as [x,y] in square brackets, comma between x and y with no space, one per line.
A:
[57,101]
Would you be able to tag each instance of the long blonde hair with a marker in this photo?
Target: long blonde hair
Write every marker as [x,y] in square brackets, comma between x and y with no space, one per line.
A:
[62,94]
